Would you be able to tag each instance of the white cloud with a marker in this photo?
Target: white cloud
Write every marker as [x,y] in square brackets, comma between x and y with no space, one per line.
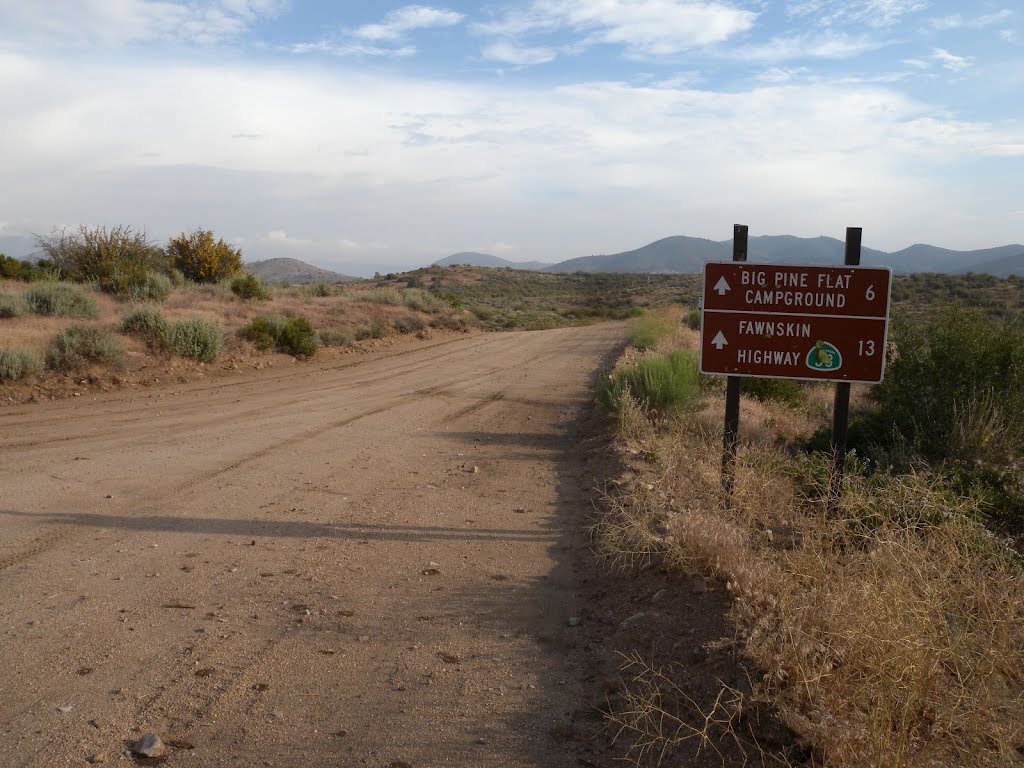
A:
[400,22]
[354,245]
[932,134]
[517,55]
[381,39]
[778,75]
[107,23]
[642,27]
[825,45]
[433,166]
[950,61]
[1009,35]
[957,21]
[873,13]
[349,48]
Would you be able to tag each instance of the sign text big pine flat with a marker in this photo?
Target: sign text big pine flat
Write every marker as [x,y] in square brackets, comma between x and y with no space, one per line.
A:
[795,322]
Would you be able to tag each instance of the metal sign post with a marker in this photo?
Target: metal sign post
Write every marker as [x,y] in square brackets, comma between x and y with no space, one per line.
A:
[731,434]
[841,403]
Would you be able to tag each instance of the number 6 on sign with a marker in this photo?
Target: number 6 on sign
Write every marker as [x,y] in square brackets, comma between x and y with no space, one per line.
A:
[869,294]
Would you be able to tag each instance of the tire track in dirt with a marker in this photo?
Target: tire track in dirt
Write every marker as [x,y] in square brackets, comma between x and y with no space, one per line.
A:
[141,400]
[44,542]
[281,403]
[152,502]
[432,640]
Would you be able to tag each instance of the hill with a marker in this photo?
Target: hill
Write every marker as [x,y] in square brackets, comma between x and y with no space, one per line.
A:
[671,255]
[283,270]
[686,255]
[474,259]
[930,258]
[1003,266]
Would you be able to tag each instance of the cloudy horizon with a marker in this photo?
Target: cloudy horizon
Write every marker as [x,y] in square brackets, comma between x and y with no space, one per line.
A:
[384,135]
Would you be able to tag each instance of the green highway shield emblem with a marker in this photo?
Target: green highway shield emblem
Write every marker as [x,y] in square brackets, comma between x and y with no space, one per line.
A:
[824,357]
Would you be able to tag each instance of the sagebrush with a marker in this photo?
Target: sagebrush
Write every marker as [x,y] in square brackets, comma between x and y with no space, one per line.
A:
[78,346]
[62,300]
[17,364]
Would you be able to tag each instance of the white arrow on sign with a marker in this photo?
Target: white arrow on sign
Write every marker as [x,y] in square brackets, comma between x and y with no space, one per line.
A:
[721,286]
[719,341]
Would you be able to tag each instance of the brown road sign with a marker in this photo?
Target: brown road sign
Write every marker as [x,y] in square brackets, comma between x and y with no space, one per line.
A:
[749,287]
[795,322]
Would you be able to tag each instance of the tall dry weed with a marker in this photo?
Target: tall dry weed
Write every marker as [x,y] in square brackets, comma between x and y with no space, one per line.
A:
[887,631]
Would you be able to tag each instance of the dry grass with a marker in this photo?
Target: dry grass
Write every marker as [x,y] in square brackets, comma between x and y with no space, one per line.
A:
[889,631]
[657,715]
[341,314]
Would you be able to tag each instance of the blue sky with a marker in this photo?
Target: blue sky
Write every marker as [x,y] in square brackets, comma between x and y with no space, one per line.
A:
[364,136]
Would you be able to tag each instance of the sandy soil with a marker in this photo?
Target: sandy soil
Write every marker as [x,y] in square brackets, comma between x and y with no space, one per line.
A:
[373,563]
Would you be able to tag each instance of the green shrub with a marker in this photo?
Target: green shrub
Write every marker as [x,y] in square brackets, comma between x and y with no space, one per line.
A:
[77,346]
[298,338]
[659,384]
[292,335]
[336,337]
[156,288]
[12,305]
[249,287]
[955,388]
[141,286]
[262,331]
[25,270]
[692,319]
[374,330]
[202,259]
[18,363]
[61,299]
[320,290]
[193,337]
[450,322]
[385,295]
[786,391]
[149,325]
[196,338]
[409,324]
[42,269]
[999,490]
[421,301]
[650,328]
[449,298]
[10,268]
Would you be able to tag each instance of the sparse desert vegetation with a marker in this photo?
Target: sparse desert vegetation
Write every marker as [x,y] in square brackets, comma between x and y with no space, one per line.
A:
[78,346]
[885,627]
[186,301]
[509,299]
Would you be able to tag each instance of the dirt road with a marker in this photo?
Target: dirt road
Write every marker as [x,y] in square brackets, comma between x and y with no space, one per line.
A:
[369,564]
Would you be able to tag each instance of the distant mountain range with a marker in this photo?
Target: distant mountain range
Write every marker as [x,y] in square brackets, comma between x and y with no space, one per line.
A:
[687,255]
[487,260]
[293,271]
